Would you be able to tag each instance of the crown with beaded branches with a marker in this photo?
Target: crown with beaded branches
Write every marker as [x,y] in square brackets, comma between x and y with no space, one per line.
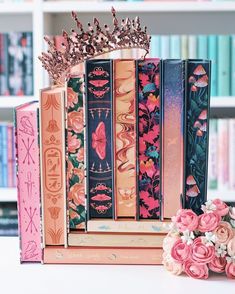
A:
[87,44]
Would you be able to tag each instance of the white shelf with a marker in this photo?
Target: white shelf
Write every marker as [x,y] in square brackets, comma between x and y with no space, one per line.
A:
[13,101]
[225,195]
[16,8]
[8,194]
[225,102]
[140,7]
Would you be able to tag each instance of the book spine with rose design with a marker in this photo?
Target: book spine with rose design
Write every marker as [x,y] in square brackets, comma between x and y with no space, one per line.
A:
[28,182]
[125,138]
[173,98]
[149,138]
[197,137]
[99,139]
[53,181]
[75,152]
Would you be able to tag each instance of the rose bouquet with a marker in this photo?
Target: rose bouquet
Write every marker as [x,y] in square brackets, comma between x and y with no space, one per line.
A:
[199,244]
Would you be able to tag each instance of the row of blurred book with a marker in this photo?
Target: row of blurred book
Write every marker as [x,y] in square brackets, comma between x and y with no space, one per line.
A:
[221,165]
[220,49]
[7,155]
[16,63]
[8,219]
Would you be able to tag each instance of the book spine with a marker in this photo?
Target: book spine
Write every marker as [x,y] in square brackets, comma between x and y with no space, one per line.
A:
[165,47]
[223,154]
[192,47]
[27,46]
[155,46]
[27,147]
[99,131]
[173,97]
[75,255]
[175,50]
[224,65]
[125,137]
[52,144]
[233,65]
[231,154]
[202,50]
[10,155]
[212,55]
[4,87]
[75,152]
[1,155]
[149,138]
[213,156]
[197,127]
[4,156]
[184,47]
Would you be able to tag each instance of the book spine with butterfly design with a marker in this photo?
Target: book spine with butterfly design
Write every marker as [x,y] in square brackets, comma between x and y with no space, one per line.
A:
[28,173]
[75,152]
[149,138]
[53,181]
[173,124]
[196,142]
[99,139]
[124,123]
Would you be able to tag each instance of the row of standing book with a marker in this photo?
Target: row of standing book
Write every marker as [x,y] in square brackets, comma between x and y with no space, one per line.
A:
[221,171]
[16,64]
[134,151]
[8,219]
[7,155]
[219,49]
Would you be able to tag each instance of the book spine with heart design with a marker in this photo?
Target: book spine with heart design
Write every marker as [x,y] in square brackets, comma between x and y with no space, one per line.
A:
[173,98]
[28,182]
[197,137]
[149,138]
[75,152]
[53,181]
[99,139]
[125,123]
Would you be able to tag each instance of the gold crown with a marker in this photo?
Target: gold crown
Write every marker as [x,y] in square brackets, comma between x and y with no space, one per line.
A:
[78,47]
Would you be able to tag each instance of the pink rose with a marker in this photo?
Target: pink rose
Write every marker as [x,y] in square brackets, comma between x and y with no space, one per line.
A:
[224,233]
[169,241]
[72,97]
[186,219]
[221,208]
[230,270]
[218,264]
[80,155]
[232,212]
[73,142]
[231,247]
[170,265]
[200,253]
[208,221]
[75,121]
[196,271]
[180,251]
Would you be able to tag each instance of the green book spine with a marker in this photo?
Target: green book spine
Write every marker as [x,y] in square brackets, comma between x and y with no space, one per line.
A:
[202,47]
[233,66]
[212,55]
[224,58]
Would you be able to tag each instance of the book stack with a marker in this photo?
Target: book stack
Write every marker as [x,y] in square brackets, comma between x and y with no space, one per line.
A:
[7,155]
[109,158]
[16,64]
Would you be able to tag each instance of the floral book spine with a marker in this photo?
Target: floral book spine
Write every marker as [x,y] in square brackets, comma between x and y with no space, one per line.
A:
[53,182]
[196,141]
[173,97]
[125,138]
[99,138]
[75,152]
[28,173]
[149,138]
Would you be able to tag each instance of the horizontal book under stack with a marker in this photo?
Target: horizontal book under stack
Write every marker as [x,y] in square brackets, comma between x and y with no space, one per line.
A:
[106,159]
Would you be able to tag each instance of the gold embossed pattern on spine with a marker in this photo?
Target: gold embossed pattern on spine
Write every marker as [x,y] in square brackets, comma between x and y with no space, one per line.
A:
[125,137]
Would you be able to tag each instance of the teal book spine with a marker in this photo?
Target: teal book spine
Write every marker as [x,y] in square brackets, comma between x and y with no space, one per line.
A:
[224,59]
[212,55]
[165,47]
[192,47]
[155,46]
[233,66]
[175,48]
[202,51]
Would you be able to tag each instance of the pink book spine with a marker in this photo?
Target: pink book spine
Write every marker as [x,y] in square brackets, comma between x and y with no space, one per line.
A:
[28,184]
[10,155]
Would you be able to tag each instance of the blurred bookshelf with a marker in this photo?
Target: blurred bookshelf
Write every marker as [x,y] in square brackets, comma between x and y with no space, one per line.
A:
[161,17]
